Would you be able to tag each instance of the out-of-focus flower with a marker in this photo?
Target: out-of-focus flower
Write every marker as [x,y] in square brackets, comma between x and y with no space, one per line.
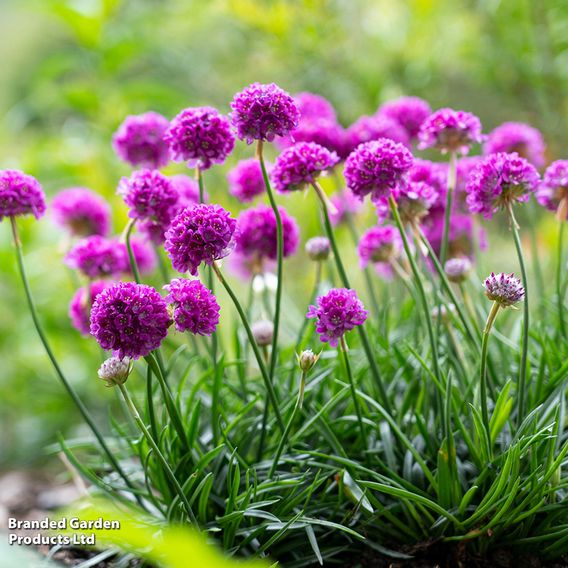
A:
[409,112]
[97,257]
[81,211]
[263,332]
[552,193]
[187,189]
[322,131]
[367,128]
[517,137]
[458,269]
[505,289]
[144,255]
[314,107]
[379,244]
[344,203]
[20,194]
[246,180]
[318,248]
[81,303]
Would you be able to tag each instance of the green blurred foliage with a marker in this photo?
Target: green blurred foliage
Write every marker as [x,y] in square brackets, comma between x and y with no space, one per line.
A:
[72,69]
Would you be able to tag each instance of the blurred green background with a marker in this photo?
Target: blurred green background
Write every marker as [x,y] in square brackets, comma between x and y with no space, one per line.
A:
[72,69]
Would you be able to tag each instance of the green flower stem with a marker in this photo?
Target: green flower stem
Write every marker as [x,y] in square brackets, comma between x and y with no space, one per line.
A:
[279,257]
[483,373]
[162,265]
[559,270]
[525,341]
[284,439]
[345,280]
[70,390]
[133,265]
[157,452]
[263,370]
[419,286]
[345,352]
[199,178]
[452,172]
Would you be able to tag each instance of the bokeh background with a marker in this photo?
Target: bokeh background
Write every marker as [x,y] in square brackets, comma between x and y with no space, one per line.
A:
[72,69]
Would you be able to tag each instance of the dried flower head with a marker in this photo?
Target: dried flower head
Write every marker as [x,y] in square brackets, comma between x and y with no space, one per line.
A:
[504,289]
[318,248]
[20,194]
[115,371]
[517,137]
[81,212]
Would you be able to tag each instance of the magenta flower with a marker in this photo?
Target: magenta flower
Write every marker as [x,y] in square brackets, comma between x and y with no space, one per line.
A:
[246,180]
[81,303]
[301,165]
[369,128]
[256,234]
[336,313]
[415,199]
[247,267]
[552,193]
[200,136]
[517,137]
[144,255]
[138,140]
[377,168]
[345,203]
[379,244]
[450,131]
[498,180]
[409,112]
[314,107]
[322,131]
[129,319]
[204,233]
[82,212]
[97,257]
[20,194]
[504,289]
[194,307]
[187,189]
[262,112]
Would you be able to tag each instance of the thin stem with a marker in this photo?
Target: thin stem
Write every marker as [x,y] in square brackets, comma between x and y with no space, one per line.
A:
[559,271]
[345,280]
[167,469]
[257,354]
[344,350]
[162,265]
[70,390]
[525,339]
[448,211]
[483,372]
[199,178]
[133,265]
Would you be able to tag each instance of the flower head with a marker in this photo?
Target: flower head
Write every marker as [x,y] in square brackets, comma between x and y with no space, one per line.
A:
[203,233]
[450,131]
[129,319]
[552,193]
[458,269]
[246,180]
[300,165]
[517,137]
[97,257]
[20,194]
[323,131]
[318,248]
[81,303]
[262,112]
[368,128]
[345,203]
[200,136]
[314,107]
[82,212]
[414,200]
[377,168]
[187,189]
[409,112]
[115,371]
[263,332]
[144,255]
[504,289]
[336,313]
[194,307]
[307,359]
[498,180]
[138,140]
[379,244]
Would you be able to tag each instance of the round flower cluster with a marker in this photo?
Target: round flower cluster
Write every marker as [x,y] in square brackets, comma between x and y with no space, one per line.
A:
[517,137]
[344,203]
[187,189]
[203,233]
[379,244]
[82,212]
[263,332]
[115,371]
[322,131]
[200,136]
[20,194]
[129,319]
[504,289]
[463,172]
[262,112]
[336,313]
[194,307]
[377,168]
[450,131]
[314,107]
[409,112]
[458,269]
[552,193]
[246,180]
[81,303]
[415,199]
[318,248]
[97,257]
[256,235]
[144,255]
[368,128]
[498,180]
[434,174]
[301,165]
[139,140]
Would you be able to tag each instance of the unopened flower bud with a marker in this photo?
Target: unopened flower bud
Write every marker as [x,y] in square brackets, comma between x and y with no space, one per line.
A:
[457,269]
[318,248]
[115,371]
[263,332]
[443,312]
[307,359]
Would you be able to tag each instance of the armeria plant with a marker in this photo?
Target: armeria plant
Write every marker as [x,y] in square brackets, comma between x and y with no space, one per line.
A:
[374,432]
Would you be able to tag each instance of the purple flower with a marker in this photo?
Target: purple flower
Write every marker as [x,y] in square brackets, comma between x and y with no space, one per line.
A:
[115,371]
[97,257]
[247,267]
[20,194]
[345,203]
[434,174]
[369,128]
[82,212]
[463,171]
[256,235]
[498,180]
[262,112]
[322,131]
[414,200]
[504,289]
[552,193]
[129,319]
[138,140]
[301,165]
[409,112]
[379,244]
[450,131]
[517,137]
[314,107]
[336,313]
[195,308]
[81,303]
[318,248]
[377,168]
[457,269]
[246,180]
[200,136]
[144,255]
[187,189]
[203,233]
